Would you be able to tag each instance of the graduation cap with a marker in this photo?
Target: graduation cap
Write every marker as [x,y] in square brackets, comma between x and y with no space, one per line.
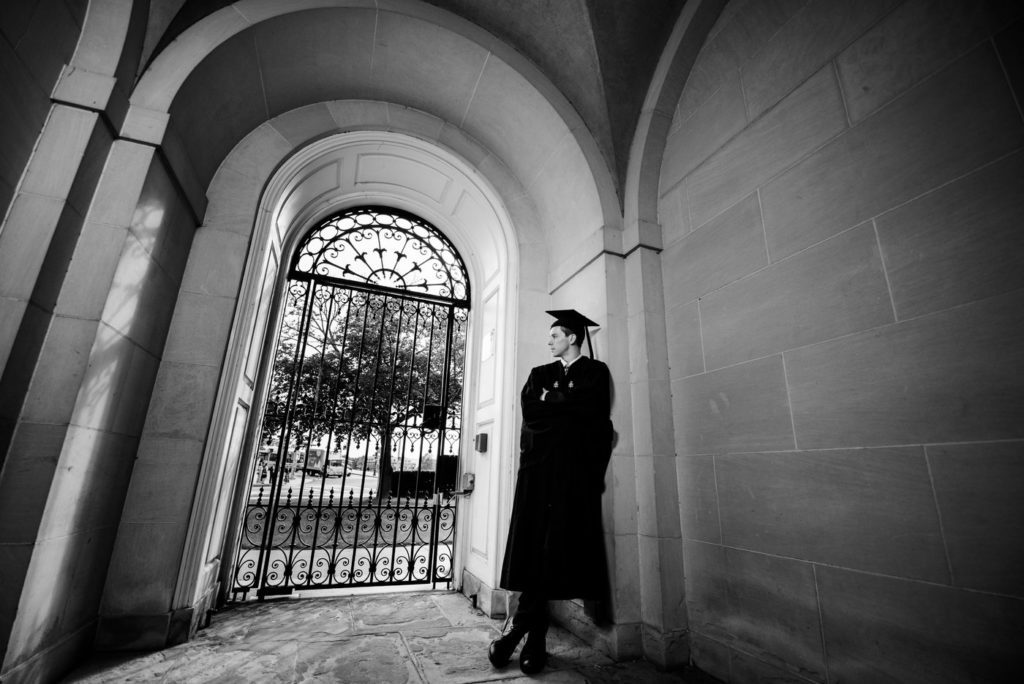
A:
[576,323]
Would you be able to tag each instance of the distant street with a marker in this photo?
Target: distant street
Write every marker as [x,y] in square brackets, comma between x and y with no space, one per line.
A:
[356,483]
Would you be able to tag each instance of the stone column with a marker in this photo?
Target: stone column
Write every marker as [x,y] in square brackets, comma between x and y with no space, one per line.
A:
[620,504]
[71,391]
[46,214]
[662,607]
[173,520]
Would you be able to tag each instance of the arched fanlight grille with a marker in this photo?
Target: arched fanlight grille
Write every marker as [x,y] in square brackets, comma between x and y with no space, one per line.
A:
[384,249]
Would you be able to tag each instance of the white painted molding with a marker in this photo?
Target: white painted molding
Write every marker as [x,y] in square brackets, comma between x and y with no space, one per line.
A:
[488,242]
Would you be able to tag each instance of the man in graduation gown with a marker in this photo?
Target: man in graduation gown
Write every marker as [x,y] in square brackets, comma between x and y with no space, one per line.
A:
[555,546]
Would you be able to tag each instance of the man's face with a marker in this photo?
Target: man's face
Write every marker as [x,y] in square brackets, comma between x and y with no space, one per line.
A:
[559,342]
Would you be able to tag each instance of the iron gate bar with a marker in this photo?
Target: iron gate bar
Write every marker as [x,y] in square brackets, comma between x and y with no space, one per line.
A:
[373,393]
[423,402]
[290,564]
[387,429]
[309,439]
[276,516]
[352,414]
[278,479]
[405,432]
[431,568]
[335,391]
[432,514]
[402,427]
[352,408]
[434,532]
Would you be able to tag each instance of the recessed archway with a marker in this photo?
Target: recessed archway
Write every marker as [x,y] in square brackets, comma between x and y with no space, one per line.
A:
[325,176]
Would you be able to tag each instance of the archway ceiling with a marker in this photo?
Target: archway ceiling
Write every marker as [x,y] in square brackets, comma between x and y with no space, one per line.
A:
[600,54]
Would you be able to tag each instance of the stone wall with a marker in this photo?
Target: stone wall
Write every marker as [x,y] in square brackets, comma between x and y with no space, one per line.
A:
[156,253]
[841,199]
[29,74]
[110,298]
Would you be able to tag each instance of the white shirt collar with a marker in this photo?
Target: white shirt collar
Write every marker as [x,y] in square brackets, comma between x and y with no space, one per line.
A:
[566,364]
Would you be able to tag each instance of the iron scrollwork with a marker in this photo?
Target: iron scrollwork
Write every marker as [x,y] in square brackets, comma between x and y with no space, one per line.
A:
[358,543]
[386,249]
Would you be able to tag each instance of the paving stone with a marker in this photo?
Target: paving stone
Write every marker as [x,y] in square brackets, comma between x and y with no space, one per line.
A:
[641,672]
[556,676]
[454,655]
[415,638]
[458,610]
[253,661]
[316,620]
[125,667]
[415,612]
[566,650]
[371,658]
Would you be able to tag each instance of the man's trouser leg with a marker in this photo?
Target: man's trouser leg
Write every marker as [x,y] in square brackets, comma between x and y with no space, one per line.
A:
[532,612]
[532,615]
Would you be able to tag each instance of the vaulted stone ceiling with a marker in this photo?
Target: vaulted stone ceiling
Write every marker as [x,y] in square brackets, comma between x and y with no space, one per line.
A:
[599,53]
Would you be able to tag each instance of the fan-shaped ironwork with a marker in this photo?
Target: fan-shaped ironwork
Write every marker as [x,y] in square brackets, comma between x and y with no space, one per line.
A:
[385,249]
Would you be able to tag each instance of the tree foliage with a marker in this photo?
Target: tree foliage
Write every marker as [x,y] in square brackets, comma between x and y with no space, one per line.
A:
[361,366]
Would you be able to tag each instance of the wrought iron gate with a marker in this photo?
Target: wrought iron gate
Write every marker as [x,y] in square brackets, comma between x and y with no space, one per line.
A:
[354,481]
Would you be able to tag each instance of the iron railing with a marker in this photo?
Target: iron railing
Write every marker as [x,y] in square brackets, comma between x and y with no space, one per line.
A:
[342,543]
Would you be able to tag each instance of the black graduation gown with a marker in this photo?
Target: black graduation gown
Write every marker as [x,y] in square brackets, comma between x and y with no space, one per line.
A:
[555,540]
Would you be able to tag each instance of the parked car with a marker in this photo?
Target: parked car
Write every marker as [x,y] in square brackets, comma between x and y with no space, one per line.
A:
[311,461]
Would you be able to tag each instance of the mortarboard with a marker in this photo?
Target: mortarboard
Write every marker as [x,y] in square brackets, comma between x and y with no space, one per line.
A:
[576,323]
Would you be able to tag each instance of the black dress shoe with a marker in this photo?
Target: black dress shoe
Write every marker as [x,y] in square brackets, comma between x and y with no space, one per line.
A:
[501,649]
[534,656]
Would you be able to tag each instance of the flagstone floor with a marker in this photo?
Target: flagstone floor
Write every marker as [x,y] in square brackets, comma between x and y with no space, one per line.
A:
[414,638]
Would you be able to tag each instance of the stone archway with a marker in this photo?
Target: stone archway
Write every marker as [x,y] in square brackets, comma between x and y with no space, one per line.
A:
[401,171]
[253,211]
